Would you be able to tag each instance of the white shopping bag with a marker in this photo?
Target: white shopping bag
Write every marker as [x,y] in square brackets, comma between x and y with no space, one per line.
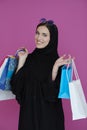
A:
[6,95]
[77,97]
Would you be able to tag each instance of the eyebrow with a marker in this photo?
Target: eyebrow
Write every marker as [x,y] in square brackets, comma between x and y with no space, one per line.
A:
[45,33]
[42,32]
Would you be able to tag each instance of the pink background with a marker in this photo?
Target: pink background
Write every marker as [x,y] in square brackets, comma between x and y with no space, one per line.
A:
[18,19]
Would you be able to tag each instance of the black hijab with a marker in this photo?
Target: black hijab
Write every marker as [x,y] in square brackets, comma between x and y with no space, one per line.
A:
[52,46]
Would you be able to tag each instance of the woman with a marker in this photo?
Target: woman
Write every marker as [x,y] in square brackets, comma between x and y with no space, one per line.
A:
[37,79]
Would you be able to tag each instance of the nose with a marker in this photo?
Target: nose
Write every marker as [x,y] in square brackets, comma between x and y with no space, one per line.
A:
[39,37]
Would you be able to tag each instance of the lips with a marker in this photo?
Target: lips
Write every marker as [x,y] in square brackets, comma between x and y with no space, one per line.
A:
[39,42]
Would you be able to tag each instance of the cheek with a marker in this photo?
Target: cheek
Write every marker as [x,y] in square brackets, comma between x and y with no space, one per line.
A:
[35,38]
[48,40]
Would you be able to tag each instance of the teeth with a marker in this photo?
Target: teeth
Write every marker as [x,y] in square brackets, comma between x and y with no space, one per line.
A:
[39,42]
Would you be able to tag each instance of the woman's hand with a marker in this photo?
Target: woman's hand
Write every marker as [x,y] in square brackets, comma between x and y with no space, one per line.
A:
[59,62]
[22,54]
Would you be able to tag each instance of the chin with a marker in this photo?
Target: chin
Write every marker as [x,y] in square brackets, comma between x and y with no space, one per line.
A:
[39,47]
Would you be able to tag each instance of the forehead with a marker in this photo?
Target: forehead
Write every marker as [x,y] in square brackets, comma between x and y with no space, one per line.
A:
[43,29]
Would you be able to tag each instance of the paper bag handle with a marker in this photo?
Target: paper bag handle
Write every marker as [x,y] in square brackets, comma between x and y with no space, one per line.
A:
[74,70]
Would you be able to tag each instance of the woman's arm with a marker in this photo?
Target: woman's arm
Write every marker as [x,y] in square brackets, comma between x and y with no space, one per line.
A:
[59,62]
[22,55]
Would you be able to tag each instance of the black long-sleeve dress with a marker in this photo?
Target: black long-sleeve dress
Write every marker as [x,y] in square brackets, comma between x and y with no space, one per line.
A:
[40,109]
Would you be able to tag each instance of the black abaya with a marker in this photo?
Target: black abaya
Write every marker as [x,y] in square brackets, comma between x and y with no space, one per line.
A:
[40,109]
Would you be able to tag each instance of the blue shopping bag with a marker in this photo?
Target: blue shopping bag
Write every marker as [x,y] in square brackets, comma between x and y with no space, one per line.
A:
[64,82]
[4,74]
[11,68]
[7,73]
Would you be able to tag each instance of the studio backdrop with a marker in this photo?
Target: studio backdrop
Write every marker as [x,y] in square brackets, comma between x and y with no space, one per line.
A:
[18,19]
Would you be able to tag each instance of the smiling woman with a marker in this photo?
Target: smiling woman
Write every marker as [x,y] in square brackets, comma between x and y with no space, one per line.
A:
[37,80]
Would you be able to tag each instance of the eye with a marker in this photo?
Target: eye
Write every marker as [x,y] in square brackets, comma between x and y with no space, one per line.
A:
[44,34]
[37,33]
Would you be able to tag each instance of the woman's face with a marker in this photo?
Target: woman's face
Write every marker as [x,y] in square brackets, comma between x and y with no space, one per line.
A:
[42,37]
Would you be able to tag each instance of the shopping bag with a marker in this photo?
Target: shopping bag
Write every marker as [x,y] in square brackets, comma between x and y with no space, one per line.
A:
[2,65]
[77,97]
[6,95]
[3,73]
[6,71]
[64,86]
[11,68]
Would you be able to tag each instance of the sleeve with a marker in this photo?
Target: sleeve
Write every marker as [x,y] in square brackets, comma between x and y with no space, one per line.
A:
[17,83]
[51,88]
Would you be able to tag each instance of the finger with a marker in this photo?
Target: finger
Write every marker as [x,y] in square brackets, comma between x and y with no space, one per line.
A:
[68,61]
[61,58]
[21,50]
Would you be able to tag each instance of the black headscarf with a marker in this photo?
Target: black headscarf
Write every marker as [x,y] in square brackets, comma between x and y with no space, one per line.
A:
[53,44]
